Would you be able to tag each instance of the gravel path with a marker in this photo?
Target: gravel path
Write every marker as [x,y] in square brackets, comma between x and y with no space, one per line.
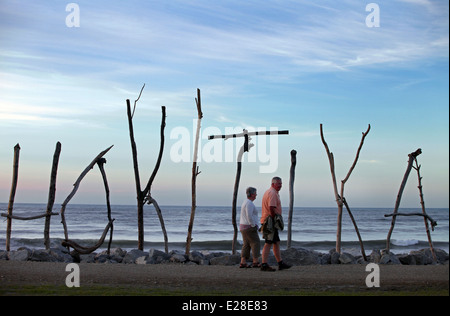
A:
[226,278]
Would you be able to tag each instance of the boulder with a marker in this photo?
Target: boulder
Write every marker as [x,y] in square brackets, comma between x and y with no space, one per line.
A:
[177,258]
[389,258]
[61,254]
[300,256]
[89,258]
[375,256]
[132,255]
[21,254]
[42,255]
[346,258]
[334,257]
[157,256]
[229,260]
[197,257]
[441,255]
[142,260]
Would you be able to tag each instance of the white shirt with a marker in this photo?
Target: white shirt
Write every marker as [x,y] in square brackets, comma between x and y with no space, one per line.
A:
[249,214]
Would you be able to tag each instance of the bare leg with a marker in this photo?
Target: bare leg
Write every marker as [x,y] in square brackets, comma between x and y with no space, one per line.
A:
[276,251]
[265,253]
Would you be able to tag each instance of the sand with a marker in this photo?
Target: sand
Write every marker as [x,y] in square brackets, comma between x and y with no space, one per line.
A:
[227,279]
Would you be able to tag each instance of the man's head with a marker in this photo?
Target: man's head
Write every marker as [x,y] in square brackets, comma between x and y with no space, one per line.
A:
[277,183]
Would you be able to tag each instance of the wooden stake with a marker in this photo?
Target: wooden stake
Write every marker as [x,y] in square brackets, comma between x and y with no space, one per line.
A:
[340,197]
[51,195]
[195,173]
[235,192]
[12,195]
[411,158]
[145,196]
[291,196]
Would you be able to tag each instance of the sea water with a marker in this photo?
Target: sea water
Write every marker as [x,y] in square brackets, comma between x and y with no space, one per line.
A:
[313,228]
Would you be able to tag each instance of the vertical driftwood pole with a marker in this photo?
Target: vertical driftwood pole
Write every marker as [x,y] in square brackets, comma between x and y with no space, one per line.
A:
[143,196]
[12,195]
[161,221]
[147,191]
[422,203]
[51,195]
[245,146]
[411,158]
[100,164]
[195,172]
[291,196]
[340,198]
[139,196]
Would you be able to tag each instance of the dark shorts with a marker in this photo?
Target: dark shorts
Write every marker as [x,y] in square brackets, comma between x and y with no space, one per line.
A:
[276,238]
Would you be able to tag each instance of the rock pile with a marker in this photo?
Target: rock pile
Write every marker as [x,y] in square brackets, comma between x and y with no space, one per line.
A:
[293,256]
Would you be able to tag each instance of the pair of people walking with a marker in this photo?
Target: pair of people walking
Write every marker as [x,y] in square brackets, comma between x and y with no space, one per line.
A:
[249,220]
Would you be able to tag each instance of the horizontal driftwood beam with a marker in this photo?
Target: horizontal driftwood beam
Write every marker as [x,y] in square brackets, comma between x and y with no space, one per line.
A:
[432,221]
[27,218]
[249,134]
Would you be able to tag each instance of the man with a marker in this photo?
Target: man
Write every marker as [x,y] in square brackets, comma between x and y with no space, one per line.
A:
[248,226]
[271,206]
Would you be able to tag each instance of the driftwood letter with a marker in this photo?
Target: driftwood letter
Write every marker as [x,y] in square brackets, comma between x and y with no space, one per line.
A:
[340,200]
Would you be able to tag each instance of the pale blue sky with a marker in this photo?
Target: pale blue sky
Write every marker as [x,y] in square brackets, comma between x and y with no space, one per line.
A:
[286,64]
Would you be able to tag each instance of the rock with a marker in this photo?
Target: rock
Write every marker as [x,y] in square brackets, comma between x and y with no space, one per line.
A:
[61,254]
[325,258]
[132,255]
[42,255]
[407,259]
[142,260]
[300,256]
[177,258]
[441,255]
[116,255]
[89,258]
[389,258]
[229,260]
[424,256]
[21,254]
[375,256]
[346,258]
[334,257]
[118,252]
[157,256]
[197,257]
[101,257]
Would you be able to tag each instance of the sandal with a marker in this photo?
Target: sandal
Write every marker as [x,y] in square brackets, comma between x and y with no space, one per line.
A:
[256,265]
[244,266]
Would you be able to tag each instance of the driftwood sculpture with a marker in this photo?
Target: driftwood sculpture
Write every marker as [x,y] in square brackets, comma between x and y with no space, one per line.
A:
[99,160]
[144,196]
[291,196]
[412,159]
[51,198]
[245,148]
[340,199]
[195,172]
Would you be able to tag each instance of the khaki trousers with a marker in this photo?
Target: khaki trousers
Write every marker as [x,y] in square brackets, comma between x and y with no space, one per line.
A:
[251,241]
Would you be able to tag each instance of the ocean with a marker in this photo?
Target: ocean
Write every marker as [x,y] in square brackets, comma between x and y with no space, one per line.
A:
[312,228]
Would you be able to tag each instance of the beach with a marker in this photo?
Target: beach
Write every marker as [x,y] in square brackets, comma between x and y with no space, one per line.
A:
[180,279]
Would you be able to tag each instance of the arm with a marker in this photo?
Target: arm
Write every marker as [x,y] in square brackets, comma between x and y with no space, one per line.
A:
[272,211]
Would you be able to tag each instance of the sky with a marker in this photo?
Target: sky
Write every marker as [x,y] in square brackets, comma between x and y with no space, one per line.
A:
[67,69]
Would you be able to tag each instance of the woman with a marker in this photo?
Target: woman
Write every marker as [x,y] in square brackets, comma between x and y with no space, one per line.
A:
[248,225]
